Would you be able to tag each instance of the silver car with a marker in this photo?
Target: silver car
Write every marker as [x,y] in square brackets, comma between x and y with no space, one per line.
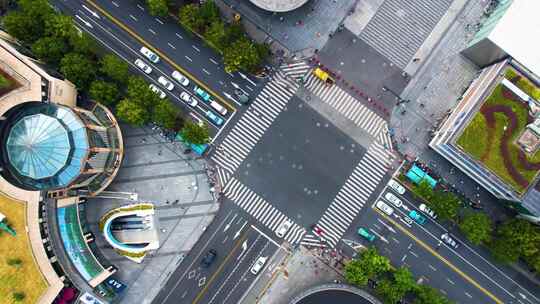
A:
[188,99]
[158,91]
[283,228]
[424,208]
[384,207]
[166,83]
[149,54]
[393,199]
[396,186]
[449,240]
[180,78]
[143,66]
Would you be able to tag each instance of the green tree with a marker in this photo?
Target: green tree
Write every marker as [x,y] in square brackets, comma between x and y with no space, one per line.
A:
[19,296]
[392,290]
[404,280]
[83,44]
[388,291]
[50,49]
[424,190]
[369,265]
[515,238]
[209,12]
[216,35]
[165,114]
[132,112]
[429,295]
[477,227]
[241,55]
[195,134]
[158,7]
[233,32]
[28,23]
[189,17]
[60,26]
[138,91]
[104,92]
[114,68]
[445,204]
[78,69]
[15,262]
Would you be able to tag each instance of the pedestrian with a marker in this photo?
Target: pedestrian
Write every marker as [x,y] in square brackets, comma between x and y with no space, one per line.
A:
[281,19]
[416,59]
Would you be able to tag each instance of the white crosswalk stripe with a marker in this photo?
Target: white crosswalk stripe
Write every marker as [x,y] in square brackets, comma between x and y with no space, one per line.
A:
[295,70]
[346,105]
[261,210]
[254,122]
[311,240]
[352,196]
[223,175]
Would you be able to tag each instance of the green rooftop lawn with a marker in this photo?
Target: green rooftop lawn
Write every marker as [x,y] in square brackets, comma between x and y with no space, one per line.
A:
[484,144]
[26,276]
[4,82]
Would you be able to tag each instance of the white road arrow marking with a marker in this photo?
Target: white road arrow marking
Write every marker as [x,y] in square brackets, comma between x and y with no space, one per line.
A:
[84,21]
[91,12]
[246,78]
[240,230]
[231,98]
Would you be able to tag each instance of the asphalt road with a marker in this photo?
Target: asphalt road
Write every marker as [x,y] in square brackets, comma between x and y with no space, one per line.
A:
[202,67]
[461,273]
[239,244]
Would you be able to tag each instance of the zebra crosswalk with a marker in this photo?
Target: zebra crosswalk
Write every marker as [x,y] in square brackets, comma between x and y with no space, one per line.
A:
[254,122]
[295,70]
[351,197]
[260,209]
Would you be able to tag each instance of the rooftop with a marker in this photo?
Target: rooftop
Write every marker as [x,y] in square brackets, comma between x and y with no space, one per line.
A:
[279,5]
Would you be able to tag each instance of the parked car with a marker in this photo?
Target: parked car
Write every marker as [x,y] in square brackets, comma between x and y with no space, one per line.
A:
[180,78]
[417,217]
[149,54]
[221,109]
[209,258]
[424,208]
[396,186]
[214,118]
[384,207]
[202,94]
[258,265]
[188,99]
[158,91]
[408,220]
[143,66]
[393,199]
[283,228]
[166,83]
[363,232]
[449,240]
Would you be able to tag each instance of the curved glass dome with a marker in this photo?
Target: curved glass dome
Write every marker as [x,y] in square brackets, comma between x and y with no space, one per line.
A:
[46,146]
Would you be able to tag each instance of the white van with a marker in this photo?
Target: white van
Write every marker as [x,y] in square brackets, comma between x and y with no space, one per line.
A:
[221,109]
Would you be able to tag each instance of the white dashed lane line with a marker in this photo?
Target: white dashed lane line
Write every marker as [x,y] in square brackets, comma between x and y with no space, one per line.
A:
[132,17]
[179,36]
[450,281]
[415,255]
[115,4]
[140,7]
[188,58]
[204,70]
[468,294]
[196,49]
[151,31]
[432,268]
[213,61]
[172,46]
[158,21]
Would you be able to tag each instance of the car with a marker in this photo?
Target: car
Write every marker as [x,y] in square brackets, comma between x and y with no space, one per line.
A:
[143,66]
[214,118]
[384,207]
[363,232]
[188,99]
[258,265]
[424,208]
[149,54]
[219,108]
[180,78]
[209,258]
[283,228]
[417,217]
[449,240]
[158,91]
[408,220]
[242,96]
[202,94]
[396,186]
[393,199]
[166,83]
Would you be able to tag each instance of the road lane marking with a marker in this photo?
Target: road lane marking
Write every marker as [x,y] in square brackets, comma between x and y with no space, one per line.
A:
[161,54]
[132,17]
[115,4]
[204,70]
[437,255]
[230,74]
[158,21]
[468,294]
[267,237]
[172,46]
[432,268]
[179,36]
[221,82]
[218,271]
[188,58]
[249,88]
[196,48]
[450,281]
[213,61]
[414,254]
[151,31]
[403,258]
[395,240]
[141,7]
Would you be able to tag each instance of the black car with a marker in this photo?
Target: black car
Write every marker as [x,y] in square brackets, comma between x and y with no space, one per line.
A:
[209,258]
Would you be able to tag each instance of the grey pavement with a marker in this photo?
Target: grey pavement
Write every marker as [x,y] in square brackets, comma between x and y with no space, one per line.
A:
[156,171]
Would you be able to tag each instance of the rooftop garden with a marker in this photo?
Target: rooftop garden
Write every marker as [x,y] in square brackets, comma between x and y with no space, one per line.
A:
[17,263]
[7,83]
[490,136]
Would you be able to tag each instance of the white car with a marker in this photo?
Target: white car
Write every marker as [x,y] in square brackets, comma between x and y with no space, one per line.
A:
[283,228]
[258,265]
[449,240]
[393,199]
[166,83]
[396,186]
[143,66]
[188,99]
[424,208]
[149,54]
[384,207]
[180,78]
[158,91]
[219,108]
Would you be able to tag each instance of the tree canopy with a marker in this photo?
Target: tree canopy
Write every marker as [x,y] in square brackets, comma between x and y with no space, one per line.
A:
[165,114]
[158,7]
[104,92]
[514,239]
[78,69]
[132,112]
[114,68]
[477,227]
[195,134]
[28,22]
[429,295]
[369,265]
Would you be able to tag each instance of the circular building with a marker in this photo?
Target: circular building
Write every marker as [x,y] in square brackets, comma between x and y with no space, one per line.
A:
[60,149]
[279,6]
[336,293]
